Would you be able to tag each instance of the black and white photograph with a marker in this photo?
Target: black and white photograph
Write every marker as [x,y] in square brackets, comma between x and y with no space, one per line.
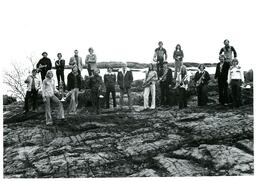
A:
[127,89]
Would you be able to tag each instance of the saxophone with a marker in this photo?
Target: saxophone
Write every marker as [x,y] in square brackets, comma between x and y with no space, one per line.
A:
[200,81]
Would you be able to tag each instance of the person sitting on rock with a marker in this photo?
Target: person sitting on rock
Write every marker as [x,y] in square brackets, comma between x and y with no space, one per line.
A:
[165,84]
[235,80]
[110,82]
[91,60]
[33,85]
[48,91]
[221,75]
[124,80]
[74,85]
[149,85]
[96,85]
[182,81]
[201,79]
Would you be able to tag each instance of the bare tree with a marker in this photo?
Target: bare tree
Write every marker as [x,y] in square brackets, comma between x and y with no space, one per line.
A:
[15,80]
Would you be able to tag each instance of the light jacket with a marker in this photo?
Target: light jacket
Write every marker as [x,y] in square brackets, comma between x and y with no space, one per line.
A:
[29,80]
[91,61]
[235,73]
[48,87]
[72,62]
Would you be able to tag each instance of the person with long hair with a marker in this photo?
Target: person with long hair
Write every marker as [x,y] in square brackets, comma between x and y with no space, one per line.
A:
[149,85]
[201,79]
[182,81]
[74,85]
[48,91]
[91,60]
[178,57]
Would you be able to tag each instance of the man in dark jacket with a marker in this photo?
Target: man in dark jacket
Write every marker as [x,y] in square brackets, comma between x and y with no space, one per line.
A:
[124,80]
[110,82]
[165,83]
[96,85]
[60,66]
[221,75]
[44,65]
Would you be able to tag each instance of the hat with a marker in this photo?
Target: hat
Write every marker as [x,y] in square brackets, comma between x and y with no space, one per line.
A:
[44,53]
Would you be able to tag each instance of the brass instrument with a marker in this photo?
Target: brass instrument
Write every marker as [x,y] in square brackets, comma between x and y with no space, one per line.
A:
[200,81]
[148,82]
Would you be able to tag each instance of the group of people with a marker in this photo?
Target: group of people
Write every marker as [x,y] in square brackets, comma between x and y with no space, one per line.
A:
[227,72]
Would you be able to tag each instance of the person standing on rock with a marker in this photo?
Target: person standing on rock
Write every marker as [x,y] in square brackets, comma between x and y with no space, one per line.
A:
[76,60]
[48,91]
[149,85]
[178,57]
[201,79]
[44,65]
[60,66]
[33,85]
[96,85]
[235,80]
[165,84]
[110,82]
[124,80]
[159,57]
[74,85]
[182,81]
[91,60]
[227,51]
[221,75]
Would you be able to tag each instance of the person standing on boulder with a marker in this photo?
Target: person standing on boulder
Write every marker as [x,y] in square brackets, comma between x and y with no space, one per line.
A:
[227,51]
[33,85]
[60,66]
[110,82]
[74,85]
[48,91]
[76,61]
[235,80]
[221,75]
[159,57]
[201,79]
[124,80]
[91,60]
[44,65]
[149,85]
[178,57]
[165,84]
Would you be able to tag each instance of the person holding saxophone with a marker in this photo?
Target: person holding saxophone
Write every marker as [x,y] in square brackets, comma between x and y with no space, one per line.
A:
[149,85]
[201,79]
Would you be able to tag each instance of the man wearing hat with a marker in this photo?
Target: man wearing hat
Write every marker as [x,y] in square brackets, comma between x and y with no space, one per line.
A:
[110,82]
[159,57]
[165,83]
[221,75]
[227,51]
[44,65]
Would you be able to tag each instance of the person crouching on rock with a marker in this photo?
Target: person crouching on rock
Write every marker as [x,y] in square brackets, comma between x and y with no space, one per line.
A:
[74,85]
[96,85]
[201,79]
[235,80]
[124,80]
[149,85]
[165,84]
[182,85]
[33,85]
[110,82]
[48,90]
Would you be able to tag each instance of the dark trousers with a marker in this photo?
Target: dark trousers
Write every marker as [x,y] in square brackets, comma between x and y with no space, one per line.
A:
[223,91]
[33,96]
[236,92]
[60,75]
[202,94]
[43,74]
[160,68]
[182,97]
[113,92]
[90,72]
[165,97]
[96,101]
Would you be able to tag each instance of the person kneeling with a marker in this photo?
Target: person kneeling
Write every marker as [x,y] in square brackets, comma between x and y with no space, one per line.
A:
[74,85]
[149,85]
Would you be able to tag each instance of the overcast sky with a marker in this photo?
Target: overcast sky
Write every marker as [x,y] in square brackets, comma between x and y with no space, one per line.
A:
[127,30]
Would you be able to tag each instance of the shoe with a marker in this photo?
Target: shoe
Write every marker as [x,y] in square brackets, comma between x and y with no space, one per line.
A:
[49,123]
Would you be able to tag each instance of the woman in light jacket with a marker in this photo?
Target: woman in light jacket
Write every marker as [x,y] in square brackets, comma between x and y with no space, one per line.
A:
[48,90]
[91,60]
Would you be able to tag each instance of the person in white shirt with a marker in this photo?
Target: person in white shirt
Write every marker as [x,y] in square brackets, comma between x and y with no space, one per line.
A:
[235,80]
[182,81]
[33,85]
[48,91]
[149,85]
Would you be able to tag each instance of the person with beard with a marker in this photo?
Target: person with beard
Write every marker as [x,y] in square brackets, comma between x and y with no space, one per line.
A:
[43,65]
